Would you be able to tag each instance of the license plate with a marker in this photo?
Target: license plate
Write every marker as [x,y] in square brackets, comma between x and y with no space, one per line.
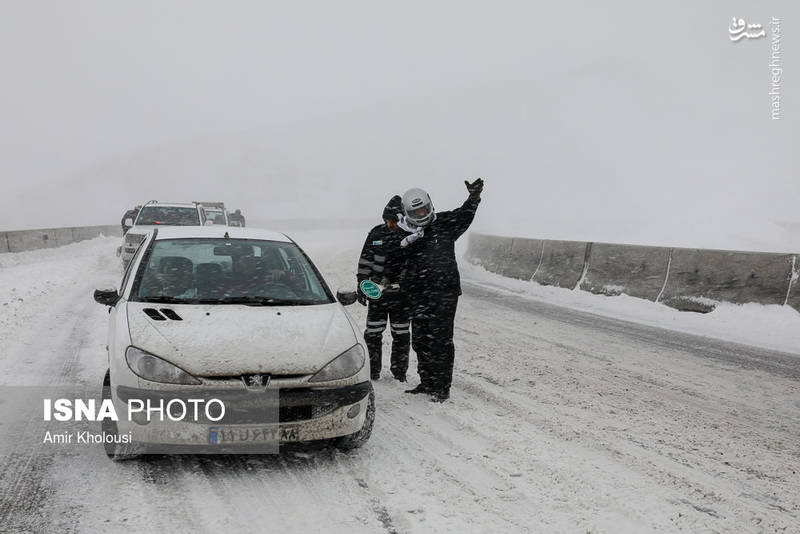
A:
[250,434]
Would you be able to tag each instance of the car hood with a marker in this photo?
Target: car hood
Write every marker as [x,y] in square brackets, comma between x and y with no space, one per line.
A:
[234,339]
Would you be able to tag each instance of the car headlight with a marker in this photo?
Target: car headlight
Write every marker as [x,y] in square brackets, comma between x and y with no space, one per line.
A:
[344,365]
[155,369]
[133,239]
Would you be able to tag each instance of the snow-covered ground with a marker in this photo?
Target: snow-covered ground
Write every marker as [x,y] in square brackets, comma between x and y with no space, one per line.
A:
[570,412]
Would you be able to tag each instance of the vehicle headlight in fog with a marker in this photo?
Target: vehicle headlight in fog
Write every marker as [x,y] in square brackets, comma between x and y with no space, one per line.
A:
[133,239]
[155,369]
[345,365]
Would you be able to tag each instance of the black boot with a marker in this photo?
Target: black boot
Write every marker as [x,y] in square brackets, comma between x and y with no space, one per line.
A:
[440,395]
[422,388]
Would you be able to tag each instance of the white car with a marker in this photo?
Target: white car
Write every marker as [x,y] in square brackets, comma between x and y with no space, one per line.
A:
[157,214]
[237,315]
[215,216]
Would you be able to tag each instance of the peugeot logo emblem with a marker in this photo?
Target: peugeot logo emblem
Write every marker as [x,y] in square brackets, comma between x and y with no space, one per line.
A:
[256,381]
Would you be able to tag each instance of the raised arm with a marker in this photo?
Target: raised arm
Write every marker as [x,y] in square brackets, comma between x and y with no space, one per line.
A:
[466,213]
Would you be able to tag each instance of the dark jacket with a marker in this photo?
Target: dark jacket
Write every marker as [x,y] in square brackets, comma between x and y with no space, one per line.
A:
[381,258]
[431,268]
[130,214]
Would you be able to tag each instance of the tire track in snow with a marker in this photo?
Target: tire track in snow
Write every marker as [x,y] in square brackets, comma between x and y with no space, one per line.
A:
[26,472]
[661,400]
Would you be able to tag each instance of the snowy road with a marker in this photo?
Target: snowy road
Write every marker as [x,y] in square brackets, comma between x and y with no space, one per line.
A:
[560,421]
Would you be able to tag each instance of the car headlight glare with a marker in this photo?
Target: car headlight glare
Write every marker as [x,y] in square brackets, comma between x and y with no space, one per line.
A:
[345,365]
[155,369]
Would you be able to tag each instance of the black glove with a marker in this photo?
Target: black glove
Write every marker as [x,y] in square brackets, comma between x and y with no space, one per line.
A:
[475,187]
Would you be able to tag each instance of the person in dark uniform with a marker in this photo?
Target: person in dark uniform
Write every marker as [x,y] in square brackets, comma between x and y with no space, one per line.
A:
[236,218]
[382,263]
[130,214]
[433,283]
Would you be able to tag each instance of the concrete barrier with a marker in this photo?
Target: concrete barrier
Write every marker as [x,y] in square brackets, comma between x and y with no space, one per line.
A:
[696,279]
[697,276]
[562,263]
[793,293]
[21,240]
[491,252]
[523,259]
[634,270]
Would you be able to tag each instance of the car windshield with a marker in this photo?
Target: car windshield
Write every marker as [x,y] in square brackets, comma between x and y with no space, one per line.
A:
[228,271]
[169,215]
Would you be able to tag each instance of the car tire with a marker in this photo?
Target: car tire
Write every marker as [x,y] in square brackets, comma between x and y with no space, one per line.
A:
[357,439]
[115,451]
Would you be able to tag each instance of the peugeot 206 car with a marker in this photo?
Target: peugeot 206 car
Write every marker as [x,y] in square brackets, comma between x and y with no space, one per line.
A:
[228,338]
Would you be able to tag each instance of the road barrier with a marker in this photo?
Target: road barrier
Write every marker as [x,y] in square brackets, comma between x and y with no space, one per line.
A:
[561,263]
[696,275]
[793,293]
[524,258]
[633,270]
[22,240]
[686,279]
[491,252]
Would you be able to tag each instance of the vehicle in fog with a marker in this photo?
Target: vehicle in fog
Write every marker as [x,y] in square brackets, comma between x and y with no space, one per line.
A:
[215,216]
[215,212]
[241,315]
[154,214]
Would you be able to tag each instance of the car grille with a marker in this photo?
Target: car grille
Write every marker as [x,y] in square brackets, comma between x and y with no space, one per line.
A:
[287,411]
[286,414]
[247,378]
[248,406]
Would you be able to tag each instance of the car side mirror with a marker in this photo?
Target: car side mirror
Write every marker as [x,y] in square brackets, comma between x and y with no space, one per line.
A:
[106,297]
[128,222]
[346,297]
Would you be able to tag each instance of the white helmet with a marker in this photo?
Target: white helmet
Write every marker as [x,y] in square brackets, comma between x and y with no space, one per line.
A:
[417,207]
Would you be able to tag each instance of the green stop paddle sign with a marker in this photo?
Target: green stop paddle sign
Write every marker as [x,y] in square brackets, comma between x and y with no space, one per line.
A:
[371,289]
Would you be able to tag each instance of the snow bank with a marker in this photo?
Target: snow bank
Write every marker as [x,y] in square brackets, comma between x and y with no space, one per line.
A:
[29,281]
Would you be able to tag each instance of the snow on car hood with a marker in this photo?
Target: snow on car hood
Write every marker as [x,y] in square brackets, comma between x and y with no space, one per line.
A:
[233,339]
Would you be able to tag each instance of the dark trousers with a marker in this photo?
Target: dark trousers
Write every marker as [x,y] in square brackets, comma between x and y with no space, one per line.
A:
[433,341]
[393,306]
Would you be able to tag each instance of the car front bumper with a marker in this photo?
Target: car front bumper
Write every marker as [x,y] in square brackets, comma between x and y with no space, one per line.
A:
[253,422]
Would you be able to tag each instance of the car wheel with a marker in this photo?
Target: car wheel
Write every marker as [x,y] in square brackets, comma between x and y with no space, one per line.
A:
[357,439]
[115,451]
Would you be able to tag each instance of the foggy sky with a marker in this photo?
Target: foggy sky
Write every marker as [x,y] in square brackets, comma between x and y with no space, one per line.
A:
[627,122]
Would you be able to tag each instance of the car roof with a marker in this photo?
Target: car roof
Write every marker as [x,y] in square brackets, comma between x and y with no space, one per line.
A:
[170,205]
[219,232]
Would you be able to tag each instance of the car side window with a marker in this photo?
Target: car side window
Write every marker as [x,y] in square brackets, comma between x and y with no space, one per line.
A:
[129,269]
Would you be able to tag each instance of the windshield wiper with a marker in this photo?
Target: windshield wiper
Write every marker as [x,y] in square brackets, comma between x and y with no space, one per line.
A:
[264,301]
[164,300]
